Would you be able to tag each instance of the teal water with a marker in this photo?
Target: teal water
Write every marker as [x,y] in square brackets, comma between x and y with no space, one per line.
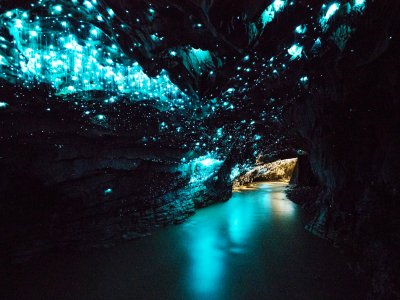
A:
[252,247]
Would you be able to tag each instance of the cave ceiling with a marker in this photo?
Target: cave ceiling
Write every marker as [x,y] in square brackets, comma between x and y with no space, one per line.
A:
[205,77]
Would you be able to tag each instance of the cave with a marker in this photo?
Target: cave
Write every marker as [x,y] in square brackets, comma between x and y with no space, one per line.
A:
[191,149]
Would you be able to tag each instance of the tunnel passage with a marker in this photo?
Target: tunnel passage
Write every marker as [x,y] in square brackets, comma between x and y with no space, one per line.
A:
[119,117]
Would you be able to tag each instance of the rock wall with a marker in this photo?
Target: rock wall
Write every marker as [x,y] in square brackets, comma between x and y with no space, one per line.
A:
[67,183]
[280,170]
[350,121]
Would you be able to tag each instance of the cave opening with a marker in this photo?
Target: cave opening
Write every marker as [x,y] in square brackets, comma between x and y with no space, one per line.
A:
[277,171]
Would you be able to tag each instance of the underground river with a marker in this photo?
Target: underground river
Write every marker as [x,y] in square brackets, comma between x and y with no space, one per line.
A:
[252,247]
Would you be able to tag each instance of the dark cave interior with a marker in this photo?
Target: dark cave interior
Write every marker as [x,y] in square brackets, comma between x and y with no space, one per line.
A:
[119,117]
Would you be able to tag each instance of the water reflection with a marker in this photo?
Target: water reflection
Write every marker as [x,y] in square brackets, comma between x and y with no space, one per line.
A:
[282,208]
[251,247]
[231,230]
[207,260]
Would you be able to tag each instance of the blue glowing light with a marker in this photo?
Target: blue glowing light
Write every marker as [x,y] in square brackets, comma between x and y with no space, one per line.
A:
[342,35]
[209,162]
[110,12]
[295,51]
[3,104]
[301,29]
[333,8]
[304,80]
[359,5]
[71,61]
[3,60]
[359,2]
[235,172]
[202,168]
[88,4]
[239,169]
[269,13]
[278,5]
[58,8]
[198,60]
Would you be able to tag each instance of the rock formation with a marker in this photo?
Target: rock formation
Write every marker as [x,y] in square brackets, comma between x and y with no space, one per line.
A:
[280,170]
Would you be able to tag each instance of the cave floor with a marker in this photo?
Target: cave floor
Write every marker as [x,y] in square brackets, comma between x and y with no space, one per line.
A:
[252,247]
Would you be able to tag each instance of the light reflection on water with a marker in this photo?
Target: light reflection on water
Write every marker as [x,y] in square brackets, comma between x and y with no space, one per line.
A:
[252,247]
[230,230]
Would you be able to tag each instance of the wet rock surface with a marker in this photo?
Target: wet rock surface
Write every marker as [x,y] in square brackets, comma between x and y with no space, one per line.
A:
[351,120]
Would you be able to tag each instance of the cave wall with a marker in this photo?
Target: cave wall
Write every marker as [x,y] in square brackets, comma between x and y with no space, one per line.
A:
[70,183]
[350,121]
